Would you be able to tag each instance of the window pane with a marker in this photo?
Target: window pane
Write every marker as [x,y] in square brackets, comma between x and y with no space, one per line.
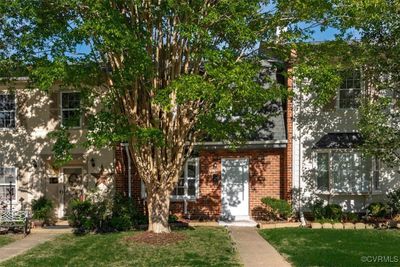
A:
[71,100]
[71,118]
[350,90]
[4,192]
[7,111]
[351,172]
[323,171]
[192,187]
[191,169]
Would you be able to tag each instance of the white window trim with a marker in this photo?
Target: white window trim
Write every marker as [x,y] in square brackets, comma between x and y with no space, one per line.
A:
[331,190]
[15,113]
[69,109]
[338,94]
[143,193]
[186,185]
[14,201]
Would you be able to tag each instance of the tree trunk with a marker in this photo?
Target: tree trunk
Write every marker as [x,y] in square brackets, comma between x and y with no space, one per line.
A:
[158,209]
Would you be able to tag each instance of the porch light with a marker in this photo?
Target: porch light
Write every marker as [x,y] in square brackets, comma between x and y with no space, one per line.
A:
[93,162]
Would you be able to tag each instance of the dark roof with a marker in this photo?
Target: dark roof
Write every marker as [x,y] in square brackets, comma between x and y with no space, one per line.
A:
[339,140]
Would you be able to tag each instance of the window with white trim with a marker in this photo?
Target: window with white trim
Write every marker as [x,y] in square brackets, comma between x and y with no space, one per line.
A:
[8,174]
[7,111]
[350,90]
[188,183]
[71,109]
[346,172]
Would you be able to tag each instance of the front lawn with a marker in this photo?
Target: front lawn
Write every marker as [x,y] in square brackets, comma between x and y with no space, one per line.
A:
[7,239]
[203,246]
[326,247]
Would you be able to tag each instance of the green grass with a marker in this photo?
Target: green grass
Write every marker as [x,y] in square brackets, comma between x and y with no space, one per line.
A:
[203,247]
[325,247]
[7,239]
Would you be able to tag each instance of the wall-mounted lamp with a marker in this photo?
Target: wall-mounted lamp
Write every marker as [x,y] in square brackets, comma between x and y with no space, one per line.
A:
[34,163]
[93,162]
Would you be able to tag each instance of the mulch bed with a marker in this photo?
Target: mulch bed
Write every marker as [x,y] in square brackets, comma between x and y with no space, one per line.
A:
[157,239]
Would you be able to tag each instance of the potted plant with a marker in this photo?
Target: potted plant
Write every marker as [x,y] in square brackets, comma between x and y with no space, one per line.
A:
[43,211]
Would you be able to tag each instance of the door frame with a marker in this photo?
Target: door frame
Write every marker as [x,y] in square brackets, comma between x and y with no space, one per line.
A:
[247,160]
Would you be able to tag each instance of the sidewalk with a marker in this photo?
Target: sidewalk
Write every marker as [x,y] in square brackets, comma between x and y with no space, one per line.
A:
[254,250]
[36,237]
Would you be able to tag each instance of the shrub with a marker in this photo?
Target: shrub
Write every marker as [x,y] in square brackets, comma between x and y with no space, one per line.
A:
[350,217]
[377,210]
[80,215]
[317,209]
[172,218]
[43,209]
[104,215]
[279,207]
[394,201]
[332,212]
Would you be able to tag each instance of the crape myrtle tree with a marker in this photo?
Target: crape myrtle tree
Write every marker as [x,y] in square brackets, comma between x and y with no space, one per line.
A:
[168,72]
[367,41]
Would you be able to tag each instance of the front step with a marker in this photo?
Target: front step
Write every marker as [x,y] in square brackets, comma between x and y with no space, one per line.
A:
[239,221]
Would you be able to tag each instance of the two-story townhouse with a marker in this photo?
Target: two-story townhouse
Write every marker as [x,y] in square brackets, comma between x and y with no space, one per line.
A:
[26,157]
[219,183]
[327,161]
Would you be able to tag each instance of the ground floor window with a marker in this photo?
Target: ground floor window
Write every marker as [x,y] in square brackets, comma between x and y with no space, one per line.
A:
[346,172]
[187,186]
[7,175]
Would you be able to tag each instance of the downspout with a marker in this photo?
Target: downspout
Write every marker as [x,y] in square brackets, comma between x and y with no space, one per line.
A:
[128,155]
[301,214]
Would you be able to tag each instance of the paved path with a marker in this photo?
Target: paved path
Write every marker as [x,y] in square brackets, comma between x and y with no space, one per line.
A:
[38,236]
[253,250]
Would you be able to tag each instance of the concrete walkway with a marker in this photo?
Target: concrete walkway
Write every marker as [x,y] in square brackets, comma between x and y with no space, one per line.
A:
[36,237]
[254,250]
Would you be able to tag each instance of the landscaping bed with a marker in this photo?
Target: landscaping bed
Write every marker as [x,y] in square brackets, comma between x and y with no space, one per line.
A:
[200,246]
[330,247]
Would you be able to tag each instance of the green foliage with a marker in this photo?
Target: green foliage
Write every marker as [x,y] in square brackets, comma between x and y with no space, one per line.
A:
[43,209]
[116,214]
[350,217]
[62,146]
[172,218]
[377,210]
[280,207]
[394,200]
[332,212]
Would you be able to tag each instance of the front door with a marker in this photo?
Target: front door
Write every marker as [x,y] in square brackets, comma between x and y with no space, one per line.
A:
[54,191]
[235,189]
[72,186]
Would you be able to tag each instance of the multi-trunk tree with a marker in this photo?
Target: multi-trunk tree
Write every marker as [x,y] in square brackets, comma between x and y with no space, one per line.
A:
[168,72]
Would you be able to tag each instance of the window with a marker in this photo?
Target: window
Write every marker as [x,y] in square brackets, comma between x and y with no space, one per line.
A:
[188,182]
[7,111]
[350,90]
[71,109]
[7,175]
[346,172]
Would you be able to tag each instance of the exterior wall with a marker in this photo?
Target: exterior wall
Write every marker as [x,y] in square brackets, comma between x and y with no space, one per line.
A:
[267,175]
[28,143]
[309,125]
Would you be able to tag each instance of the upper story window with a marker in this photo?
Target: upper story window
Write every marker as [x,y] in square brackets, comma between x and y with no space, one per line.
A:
[71,109]
[346,171]
[350,90]
[7,111]
[187,186]
[8,175]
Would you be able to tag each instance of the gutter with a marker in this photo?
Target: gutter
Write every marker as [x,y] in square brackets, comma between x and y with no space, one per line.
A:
[247,145]
[128,155]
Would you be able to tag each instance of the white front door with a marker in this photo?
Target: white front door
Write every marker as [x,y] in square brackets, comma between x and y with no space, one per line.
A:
[235,189]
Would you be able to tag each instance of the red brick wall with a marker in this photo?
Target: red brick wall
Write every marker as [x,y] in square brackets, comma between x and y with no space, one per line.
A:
[266,178]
